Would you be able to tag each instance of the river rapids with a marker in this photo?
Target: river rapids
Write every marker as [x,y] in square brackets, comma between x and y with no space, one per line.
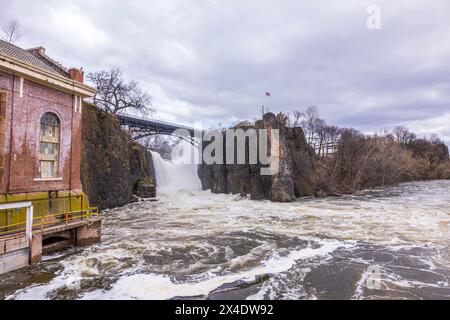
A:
[388,243]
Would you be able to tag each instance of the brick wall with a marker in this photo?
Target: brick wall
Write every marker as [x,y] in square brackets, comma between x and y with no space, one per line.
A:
[23,115]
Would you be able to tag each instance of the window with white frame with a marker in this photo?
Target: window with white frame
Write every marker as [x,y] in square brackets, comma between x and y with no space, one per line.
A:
[49,146]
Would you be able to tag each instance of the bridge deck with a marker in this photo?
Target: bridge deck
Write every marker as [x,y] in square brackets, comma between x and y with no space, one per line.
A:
[152,126]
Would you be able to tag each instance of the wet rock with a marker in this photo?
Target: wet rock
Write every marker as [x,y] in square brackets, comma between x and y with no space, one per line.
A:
[142,171]
[145,188]
[111,164]
[302,156]
[282,183]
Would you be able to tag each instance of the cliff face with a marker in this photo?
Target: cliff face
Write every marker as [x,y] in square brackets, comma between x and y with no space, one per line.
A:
[292,180]
[113,169]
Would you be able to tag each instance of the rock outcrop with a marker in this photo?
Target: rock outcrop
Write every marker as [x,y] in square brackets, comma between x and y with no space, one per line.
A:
[292,180]
[358,162]
[113,169]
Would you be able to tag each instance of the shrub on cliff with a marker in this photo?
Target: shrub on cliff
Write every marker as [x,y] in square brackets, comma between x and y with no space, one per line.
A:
[443,170]
[367,161]
[431,156]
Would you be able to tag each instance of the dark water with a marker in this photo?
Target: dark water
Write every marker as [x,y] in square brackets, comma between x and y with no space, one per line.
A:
[382,244]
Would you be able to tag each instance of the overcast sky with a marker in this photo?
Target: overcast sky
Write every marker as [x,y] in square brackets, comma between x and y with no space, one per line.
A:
[213,61]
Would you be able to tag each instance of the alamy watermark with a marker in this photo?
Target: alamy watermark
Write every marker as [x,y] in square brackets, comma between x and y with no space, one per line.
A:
[373,280]
[233,146]
[373,21]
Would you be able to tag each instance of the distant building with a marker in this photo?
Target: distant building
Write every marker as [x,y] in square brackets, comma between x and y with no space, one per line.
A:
[40,140]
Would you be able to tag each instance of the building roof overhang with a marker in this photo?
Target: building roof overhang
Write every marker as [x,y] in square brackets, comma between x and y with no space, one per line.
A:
[44,77]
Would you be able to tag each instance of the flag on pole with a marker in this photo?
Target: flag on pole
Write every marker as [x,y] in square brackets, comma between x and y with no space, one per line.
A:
[267,94]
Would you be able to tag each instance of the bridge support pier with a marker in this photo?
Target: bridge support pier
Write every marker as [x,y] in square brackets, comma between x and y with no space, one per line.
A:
[88,234]
[36,249]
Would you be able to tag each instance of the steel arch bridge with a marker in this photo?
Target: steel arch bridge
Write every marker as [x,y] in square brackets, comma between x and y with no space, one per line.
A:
[141,127]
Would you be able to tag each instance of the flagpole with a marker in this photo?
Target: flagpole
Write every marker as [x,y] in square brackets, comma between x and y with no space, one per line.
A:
[262,109]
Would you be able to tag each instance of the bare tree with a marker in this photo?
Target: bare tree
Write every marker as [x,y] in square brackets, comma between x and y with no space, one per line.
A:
[310,122]
[161,144]
[11,32]
[115,95]
[295,119]
[434,138]
[331,136]
[403,135]
[317,133]
[320,133]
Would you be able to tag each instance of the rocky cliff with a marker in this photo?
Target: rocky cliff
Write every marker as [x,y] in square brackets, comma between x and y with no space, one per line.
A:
[113,169]
[359,162]
[292,180]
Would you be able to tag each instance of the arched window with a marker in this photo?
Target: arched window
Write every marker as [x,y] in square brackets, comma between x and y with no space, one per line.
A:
[49,146]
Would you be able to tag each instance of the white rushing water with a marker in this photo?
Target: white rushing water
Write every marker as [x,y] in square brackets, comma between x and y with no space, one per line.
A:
[173,176]
[192,243]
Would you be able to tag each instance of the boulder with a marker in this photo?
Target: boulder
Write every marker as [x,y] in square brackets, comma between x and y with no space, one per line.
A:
[145,188]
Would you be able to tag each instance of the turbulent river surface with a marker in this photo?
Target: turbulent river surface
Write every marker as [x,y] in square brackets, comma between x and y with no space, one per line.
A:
[379,244]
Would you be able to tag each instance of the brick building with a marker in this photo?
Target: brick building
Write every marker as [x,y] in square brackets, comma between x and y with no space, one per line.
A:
[40,138]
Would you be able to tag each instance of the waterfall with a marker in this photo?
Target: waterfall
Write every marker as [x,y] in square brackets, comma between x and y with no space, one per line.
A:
[172,176]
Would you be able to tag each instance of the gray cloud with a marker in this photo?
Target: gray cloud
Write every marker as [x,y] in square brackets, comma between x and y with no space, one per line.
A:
[212,61]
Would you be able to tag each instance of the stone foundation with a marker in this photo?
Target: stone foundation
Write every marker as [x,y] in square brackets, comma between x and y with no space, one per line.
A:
[13,254]
[36,249]
[17,253]
[89,234]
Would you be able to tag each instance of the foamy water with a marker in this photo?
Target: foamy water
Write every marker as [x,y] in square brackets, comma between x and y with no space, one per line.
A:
[197,244]
[172,176]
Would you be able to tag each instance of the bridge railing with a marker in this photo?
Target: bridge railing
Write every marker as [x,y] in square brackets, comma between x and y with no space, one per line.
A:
[156,121]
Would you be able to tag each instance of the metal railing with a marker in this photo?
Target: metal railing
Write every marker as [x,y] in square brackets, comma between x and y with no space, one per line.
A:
[51,220]
[155,121]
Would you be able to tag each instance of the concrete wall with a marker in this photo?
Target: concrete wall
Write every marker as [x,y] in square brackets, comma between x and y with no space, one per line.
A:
[36,249]
[14,254]
[23,117]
